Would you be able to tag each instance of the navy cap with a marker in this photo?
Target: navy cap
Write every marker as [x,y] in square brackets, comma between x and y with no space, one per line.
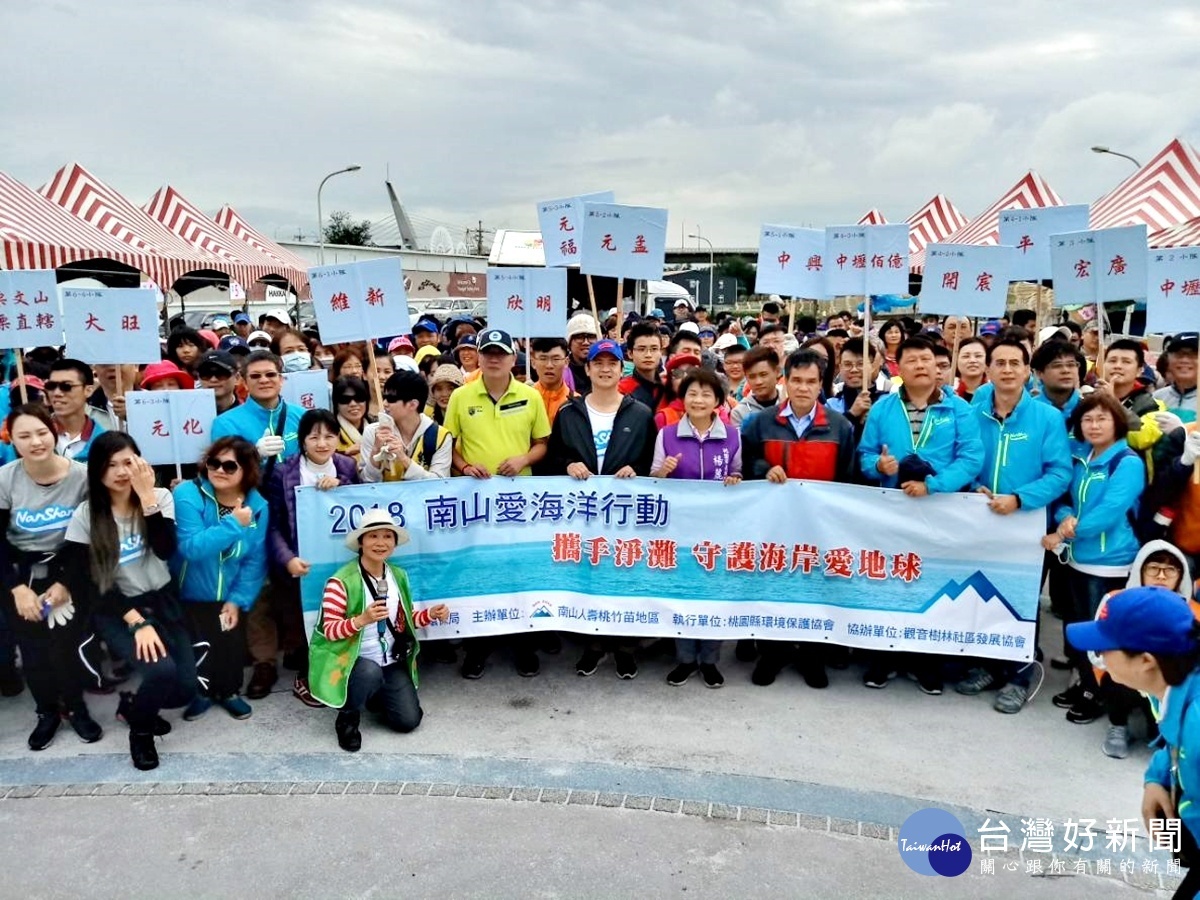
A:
[217,359]
[495,338]
[991,327]
[1141,619]
[231,343]
[467,340]
[611,347]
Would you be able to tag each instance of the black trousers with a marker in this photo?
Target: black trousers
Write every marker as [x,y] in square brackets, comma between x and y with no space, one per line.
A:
[219,654]
[388,688]
[168,683]
[50,656]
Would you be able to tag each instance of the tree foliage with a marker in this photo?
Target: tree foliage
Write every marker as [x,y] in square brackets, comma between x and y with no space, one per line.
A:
[342,229]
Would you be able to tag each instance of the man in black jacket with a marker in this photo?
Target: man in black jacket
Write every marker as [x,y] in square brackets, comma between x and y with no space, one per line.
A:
[603,433]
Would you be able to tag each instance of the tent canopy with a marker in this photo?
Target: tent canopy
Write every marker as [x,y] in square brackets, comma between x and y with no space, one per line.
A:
[1161,194]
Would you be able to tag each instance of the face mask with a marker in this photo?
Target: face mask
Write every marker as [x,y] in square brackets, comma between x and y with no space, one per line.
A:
[297,361]
[325,361]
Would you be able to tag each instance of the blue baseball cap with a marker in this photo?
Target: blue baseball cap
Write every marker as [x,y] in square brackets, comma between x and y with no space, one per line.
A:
[657,313]
[425,325]
[611,347]
[231,343]
[991,327]
[240,318]
[1141,619]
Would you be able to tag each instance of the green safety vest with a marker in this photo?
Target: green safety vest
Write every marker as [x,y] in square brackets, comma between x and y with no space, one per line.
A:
[330,662]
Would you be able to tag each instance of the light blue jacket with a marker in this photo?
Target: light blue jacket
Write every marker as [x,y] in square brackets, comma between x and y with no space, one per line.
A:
[1102,505]
[1179,726]
[216,557]
[1027,454]
[252,422]
[949,441]
[984,396]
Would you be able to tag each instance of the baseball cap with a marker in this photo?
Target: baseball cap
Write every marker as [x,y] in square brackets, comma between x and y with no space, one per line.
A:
[221,360]
[234,344]
[240,318]
[725,341]
[690,326]
[425,325]
[1182,342]
[612,348]
[279,314]
[990,327]
[258,336]
[682,359]
[1141,619]
[495,338]
[1053,332]
[210,336]
[582,323]
[219,322]
[400,343]
[657,313]
[711,332]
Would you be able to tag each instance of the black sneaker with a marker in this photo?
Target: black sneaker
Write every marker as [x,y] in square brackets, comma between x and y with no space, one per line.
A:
[11,684]
[550,642]
[929,682]
[589,662]
[712,676]
[295,659]
[262,680]
[528,664]
[1086,709]
[626,665]
[159,726]
[43,734]
[877,678]
[681,673]
[142,750]
[348,736]
[1069,697]
[837,657]
[764,674]
[473,666]
[814,674]
[746,650]
[85,726]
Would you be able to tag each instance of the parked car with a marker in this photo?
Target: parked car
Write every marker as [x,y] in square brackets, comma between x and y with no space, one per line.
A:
[449,307]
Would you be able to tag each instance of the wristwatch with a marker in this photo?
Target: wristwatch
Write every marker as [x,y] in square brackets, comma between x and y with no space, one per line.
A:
[151,510]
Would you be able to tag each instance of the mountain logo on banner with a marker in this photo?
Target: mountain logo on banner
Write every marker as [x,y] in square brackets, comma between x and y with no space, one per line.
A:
[541,610]
[976,587]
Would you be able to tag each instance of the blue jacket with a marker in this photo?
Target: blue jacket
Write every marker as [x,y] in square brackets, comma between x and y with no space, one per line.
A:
[252,422]
[1027,454]
[949,441]
[216,557]
[1102,505]
[1180,727]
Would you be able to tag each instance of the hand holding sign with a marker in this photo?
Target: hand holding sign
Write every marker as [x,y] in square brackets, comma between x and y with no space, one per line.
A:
[171,426]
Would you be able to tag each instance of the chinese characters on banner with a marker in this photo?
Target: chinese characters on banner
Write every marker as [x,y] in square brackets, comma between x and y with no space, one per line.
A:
[359,301]
[648,558]
[1173,290]
[30,309]
[307,390]
[111,325]
[527,302]
[171,426]
[866,259]
[623,241]
[1099,266]
[965,280]
[791,262]
[1029,231]
[561,225]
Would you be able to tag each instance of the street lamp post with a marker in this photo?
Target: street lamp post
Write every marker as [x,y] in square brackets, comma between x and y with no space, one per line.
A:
[1115,153]
[711,265]
[320,218]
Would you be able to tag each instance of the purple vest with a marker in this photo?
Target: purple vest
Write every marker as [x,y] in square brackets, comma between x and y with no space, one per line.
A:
[707,460]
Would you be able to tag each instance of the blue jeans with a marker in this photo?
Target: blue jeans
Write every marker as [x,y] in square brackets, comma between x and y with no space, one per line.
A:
[693,650]
[400,709]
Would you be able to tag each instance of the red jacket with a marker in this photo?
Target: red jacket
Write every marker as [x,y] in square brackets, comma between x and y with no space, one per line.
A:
[824,453]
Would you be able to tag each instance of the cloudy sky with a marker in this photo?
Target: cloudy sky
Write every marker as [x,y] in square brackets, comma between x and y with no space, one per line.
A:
[729,114]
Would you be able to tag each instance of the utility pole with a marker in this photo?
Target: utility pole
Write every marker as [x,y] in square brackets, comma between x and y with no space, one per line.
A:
[479,239]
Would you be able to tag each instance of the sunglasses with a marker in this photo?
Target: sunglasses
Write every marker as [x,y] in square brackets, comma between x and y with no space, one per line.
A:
[228,466]
[351,398]
[259,376]
[65,386]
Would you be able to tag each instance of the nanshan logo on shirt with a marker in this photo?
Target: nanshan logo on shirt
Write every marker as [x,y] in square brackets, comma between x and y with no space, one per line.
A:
[132,549]
[36,521]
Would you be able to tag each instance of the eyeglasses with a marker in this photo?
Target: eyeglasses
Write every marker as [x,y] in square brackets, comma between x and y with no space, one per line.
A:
[65,386]
[1154,570]
[556,360]
[263,376]
[583,337]
[228,466]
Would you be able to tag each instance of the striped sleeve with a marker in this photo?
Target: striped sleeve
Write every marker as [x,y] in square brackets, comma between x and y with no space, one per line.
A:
[421,618]
[333,612]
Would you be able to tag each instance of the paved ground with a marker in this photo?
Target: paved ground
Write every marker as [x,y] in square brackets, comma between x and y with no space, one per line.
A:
[824,761]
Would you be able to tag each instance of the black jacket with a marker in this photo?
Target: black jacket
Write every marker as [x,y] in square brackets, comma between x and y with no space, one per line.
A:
[631,443]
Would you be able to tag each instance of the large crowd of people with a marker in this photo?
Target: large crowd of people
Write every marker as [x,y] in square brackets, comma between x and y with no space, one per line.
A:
[177,578]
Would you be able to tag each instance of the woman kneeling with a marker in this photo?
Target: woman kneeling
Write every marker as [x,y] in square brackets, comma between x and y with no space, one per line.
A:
[366,653]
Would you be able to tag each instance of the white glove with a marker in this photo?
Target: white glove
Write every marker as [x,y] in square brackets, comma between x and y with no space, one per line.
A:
[270,445]
[1167,421]
[1191,449]
[61,615]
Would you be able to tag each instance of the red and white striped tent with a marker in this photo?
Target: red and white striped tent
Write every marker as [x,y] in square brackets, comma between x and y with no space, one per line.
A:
[1030,192]
[872,217]
[184,218]
[37,234]
[1161,194]
[229,219]
[88,198]
[1185,234]
[933,223]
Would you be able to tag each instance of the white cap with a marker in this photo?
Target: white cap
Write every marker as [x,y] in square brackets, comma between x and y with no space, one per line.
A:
[690,326]
[724,342]
[683,301]
[1052,331]
[255,335]
[582,323]
[279,314]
